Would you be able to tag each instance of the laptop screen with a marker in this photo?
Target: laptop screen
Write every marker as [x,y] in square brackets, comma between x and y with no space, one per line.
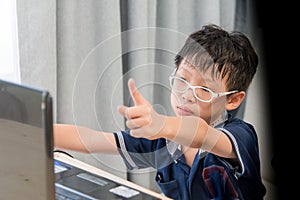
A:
[26,143]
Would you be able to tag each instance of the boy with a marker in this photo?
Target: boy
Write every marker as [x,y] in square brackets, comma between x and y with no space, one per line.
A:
[202,152]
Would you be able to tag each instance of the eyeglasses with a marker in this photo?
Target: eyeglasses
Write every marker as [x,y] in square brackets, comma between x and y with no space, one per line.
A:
[201,93]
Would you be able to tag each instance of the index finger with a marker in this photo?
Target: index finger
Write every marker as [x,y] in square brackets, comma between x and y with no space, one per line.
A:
[137,97]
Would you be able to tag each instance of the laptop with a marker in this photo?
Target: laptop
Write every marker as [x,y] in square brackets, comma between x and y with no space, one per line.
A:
[28,169]
[26,143]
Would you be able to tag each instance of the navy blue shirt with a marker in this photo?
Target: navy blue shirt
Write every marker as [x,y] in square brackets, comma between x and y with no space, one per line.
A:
[210,177]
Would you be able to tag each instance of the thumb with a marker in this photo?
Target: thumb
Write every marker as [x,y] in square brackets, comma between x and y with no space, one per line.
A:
[137,97]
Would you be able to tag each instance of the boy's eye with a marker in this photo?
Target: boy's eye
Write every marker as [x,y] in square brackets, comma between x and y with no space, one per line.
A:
[203,93]
[182,78]
[179,84]
[205,89]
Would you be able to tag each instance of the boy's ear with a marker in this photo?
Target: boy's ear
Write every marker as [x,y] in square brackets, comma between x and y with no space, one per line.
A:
[235,100]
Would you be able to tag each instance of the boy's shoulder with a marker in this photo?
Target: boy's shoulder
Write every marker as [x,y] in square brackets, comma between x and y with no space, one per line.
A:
[239,123]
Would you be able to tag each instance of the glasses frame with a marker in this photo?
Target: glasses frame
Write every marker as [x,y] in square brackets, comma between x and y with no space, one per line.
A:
[189,86]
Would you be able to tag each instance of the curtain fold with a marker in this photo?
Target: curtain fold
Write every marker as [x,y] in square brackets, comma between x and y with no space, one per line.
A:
[89,65]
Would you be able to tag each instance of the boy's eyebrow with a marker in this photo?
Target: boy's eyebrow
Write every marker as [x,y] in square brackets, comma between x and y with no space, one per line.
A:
[203,78]
[184,68]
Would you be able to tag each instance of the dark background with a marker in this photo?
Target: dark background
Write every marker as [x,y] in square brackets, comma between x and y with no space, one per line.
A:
[280,40]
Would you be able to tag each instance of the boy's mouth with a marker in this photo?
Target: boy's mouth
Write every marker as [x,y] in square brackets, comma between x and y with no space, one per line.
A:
[181,110]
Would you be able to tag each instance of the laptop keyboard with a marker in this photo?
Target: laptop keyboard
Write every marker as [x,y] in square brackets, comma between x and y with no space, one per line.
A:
[65,193]
[73,183]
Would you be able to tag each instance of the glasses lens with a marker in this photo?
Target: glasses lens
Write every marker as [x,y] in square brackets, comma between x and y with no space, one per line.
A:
[177,84]
[203,94]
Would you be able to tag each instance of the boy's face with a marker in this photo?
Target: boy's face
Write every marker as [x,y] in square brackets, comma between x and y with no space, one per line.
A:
[185,104]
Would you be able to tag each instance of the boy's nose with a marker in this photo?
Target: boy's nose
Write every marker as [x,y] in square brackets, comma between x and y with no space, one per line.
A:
[188,95]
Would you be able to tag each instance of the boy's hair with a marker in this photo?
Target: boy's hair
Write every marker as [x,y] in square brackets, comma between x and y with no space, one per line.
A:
[229,55]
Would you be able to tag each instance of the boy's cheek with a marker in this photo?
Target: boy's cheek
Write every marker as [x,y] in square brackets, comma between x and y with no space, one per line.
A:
[174,102]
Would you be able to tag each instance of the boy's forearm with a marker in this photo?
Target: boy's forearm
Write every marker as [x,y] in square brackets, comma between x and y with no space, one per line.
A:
[194,132]
[83,139]
[188,130]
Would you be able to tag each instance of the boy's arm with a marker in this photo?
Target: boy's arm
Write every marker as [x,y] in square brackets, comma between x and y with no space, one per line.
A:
[82,139]
[194,132]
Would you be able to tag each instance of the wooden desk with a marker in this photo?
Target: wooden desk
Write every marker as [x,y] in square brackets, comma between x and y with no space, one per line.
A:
[89,168]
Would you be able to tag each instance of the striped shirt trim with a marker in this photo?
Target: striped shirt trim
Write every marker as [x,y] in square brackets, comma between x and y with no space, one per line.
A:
[124,150]
[236,149]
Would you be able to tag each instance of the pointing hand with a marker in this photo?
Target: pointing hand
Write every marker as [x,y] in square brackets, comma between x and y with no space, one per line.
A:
[142,119]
